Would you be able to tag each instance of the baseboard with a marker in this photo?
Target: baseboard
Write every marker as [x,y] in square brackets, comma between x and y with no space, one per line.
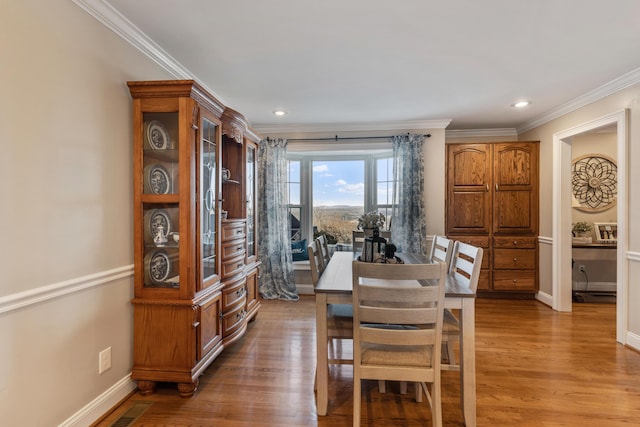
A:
[305,289]
[101,405]
[633,341]
[545,298]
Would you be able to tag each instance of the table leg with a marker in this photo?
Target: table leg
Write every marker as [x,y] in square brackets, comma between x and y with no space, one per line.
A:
[468,362]
[322,355]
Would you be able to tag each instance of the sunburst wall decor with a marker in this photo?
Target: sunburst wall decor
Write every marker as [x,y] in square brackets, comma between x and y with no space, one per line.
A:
[594,182]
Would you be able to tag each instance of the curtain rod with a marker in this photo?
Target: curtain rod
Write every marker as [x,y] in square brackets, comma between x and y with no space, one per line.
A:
[338,138]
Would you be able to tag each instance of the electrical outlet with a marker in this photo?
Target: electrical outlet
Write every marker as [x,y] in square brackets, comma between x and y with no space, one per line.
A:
[582,269]
[104,360]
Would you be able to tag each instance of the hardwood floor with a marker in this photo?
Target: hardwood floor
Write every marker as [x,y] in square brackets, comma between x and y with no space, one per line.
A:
[535,367]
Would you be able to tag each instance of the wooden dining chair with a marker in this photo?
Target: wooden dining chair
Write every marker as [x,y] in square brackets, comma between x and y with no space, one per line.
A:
[397,327]
[357,240]
[464,272]
[324,246]
[339,316]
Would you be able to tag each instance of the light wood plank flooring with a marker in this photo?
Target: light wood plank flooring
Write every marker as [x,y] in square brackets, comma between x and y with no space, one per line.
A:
[535,367]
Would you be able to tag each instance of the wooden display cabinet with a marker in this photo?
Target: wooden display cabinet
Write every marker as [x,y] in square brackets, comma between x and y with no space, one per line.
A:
[181,262]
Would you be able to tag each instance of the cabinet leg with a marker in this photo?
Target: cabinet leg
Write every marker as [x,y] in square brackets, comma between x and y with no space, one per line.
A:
[187,389]
[146,387]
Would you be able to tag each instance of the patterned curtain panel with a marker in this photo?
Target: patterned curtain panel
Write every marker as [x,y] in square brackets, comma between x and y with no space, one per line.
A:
[408,226]
[273,222]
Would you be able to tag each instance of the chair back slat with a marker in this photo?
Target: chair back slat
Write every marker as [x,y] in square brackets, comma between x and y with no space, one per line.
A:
[441,249]
[316,263]
[323,244]
[466,261]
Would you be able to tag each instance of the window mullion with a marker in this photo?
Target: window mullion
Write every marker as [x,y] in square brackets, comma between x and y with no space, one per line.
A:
[306,197]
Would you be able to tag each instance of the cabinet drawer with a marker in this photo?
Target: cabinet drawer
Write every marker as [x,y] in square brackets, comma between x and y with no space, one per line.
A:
[478,241]
[233,319]
[232,267]
[514,280]
[233,292]
[232,249]
[233,230]
[514,259]
[515,242]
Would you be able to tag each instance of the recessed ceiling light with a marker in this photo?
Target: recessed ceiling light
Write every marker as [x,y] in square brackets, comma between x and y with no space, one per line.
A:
[521,104]
[279,113]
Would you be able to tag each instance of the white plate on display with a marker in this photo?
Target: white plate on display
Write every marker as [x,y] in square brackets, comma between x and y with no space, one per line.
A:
[153,220]
[157,267]
[156,135]
[157,179]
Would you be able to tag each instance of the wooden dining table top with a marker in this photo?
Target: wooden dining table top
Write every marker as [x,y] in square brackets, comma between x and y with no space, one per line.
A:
[336,278]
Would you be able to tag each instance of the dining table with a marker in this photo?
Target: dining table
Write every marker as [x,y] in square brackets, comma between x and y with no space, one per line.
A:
[335,287]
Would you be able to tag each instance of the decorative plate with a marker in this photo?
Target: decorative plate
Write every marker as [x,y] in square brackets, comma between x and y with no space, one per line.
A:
[157,267]
[155,218]
[156,135]
[157,180]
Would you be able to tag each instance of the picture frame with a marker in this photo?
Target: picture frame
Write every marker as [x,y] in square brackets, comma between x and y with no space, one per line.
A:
[606,232]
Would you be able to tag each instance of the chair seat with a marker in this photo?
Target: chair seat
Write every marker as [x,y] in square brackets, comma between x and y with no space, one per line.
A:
[417,356]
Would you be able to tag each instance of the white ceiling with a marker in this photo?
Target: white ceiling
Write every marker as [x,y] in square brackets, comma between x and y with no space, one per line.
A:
[331,63]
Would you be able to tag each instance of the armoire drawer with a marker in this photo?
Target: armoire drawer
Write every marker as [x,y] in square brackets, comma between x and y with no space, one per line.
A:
[233,230]
[514,280]
[233,319]
[233,292]
[232,267]
[232,249]
[514,242]
[514,259]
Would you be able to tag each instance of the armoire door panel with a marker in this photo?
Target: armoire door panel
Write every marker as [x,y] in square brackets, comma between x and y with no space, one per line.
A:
[469,213]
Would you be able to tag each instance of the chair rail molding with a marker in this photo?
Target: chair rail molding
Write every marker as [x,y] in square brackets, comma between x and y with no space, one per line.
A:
[33,296]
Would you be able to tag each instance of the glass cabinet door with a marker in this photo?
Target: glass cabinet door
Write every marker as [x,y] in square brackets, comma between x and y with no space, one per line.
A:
[160,208]
[251,170]
[208,199]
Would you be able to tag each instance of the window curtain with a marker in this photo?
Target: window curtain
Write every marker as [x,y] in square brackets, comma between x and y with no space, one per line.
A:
[276,272]
[408,225]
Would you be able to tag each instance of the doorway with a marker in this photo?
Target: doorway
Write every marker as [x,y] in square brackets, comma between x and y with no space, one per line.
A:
[562,216]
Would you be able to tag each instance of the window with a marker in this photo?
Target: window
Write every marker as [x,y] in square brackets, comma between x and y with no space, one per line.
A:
[338,198]
[384,187]
[328,192]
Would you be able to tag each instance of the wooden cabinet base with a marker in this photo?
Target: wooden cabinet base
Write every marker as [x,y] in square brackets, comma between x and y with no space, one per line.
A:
[146,388]
[187,389]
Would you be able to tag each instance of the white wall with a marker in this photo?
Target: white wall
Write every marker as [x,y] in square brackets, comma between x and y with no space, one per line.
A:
[66,224]
[628,98]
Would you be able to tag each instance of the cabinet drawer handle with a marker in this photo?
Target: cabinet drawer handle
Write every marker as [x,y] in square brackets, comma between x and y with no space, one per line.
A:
[487,187]
[239,248]
[515,280]
[496,187]
[239,265]
[515,259]
[515,243]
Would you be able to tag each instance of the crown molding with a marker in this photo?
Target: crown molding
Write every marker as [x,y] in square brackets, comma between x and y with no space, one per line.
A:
[480,133]
[351,127]
[116,22]
[615,85]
